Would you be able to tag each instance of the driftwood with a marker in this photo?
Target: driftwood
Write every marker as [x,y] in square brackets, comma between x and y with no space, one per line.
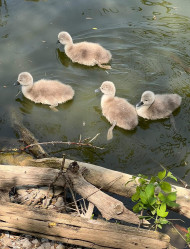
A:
[106,179]
[12,176]
[107,205]
[67,228]
[25,135]
[78,230]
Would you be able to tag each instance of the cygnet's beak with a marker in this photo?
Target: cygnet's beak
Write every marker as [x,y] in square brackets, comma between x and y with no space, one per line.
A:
[57,42]
[16,83]
[139,104]
[97,90]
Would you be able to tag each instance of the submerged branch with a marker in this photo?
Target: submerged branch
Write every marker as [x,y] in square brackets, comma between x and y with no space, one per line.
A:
[80,143]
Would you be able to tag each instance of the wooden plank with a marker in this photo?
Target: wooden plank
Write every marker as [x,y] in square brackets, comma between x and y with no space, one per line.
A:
[77,230]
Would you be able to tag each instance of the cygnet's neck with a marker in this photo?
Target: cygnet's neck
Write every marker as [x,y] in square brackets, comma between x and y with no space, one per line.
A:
[27,88]
[69,45]
[106,98]
[141,111]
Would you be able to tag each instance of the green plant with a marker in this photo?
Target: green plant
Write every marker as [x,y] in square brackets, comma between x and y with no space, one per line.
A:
[187,236]
[154,196]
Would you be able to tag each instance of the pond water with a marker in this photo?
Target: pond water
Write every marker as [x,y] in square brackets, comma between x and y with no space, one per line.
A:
[149,41]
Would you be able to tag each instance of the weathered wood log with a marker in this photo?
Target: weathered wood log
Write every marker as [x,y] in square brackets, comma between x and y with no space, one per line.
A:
[12,176]
[25,135]
[106,179]
[109,207]
[76,230]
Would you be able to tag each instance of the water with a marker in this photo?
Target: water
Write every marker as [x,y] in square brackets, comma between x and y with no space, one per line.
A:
[144,38]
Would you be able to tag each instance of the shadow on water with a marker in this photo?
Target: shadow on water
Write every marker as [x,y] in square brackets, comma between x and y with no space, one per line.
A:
[66,62]
[28,105]
[4,14]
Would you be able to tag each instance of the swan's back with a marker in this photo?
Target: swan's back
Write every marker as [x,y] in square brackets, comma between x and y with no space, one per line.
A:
[119,110]
[50,92]
[162,107]
[88,53]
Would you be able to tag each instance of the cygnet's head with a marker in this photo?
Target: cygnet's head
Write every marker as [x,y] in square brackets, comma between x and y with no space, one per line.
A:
[147,99]
[25,79]
[108,88]
[64,38]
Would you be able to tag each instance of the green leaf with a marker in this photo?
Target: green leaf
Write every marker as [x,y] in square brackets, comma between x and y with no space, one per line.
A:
[161,174]
[143,197]
[153,179]
[135,197]
[137,208]
[171,176]
[162,197]
[149,190]
[153,212]
[152,200]
[171,196]
[172,204]
[161,211]
[160,226]
[142,176]
[166,187]
[145,217]
[163,221]
[142,181]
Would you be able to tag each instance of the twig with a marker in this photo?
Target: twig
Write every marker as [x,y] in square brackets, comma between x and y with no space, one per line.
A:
[84,203]
[17,93]
[61,142]
[94,138]
[80,138]
[72,193]
[51,185]
[80,143]
[179,233]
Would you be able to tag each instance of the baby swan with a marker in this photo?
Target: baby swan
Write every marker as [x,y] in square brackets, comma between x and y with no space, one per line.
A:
[118,111]
[156,106]
[86,53]
[49,92]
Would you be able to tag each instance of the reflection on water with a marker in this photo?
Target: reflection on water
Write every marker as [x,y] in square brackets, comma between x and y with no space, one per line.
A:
[102,11]
[149,41]
[3,13]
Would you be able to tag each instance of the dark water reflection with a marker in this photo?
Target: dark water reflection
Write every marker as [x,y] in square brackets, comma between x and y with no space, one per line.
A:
[144,38]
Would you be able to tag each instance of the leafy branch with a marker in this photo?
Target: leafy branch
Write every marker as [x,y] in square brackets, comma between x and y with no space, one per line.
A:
[154,196]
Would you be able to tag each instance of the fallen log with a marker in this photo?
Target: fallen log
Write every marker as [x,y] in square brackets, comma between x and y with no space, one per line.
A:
[78,230]
[105,179]
[12,176]
[109,207]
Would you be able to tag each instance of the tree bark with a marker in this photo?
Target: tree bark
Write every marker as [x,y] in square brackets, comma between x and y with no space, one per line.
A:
[77,230]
